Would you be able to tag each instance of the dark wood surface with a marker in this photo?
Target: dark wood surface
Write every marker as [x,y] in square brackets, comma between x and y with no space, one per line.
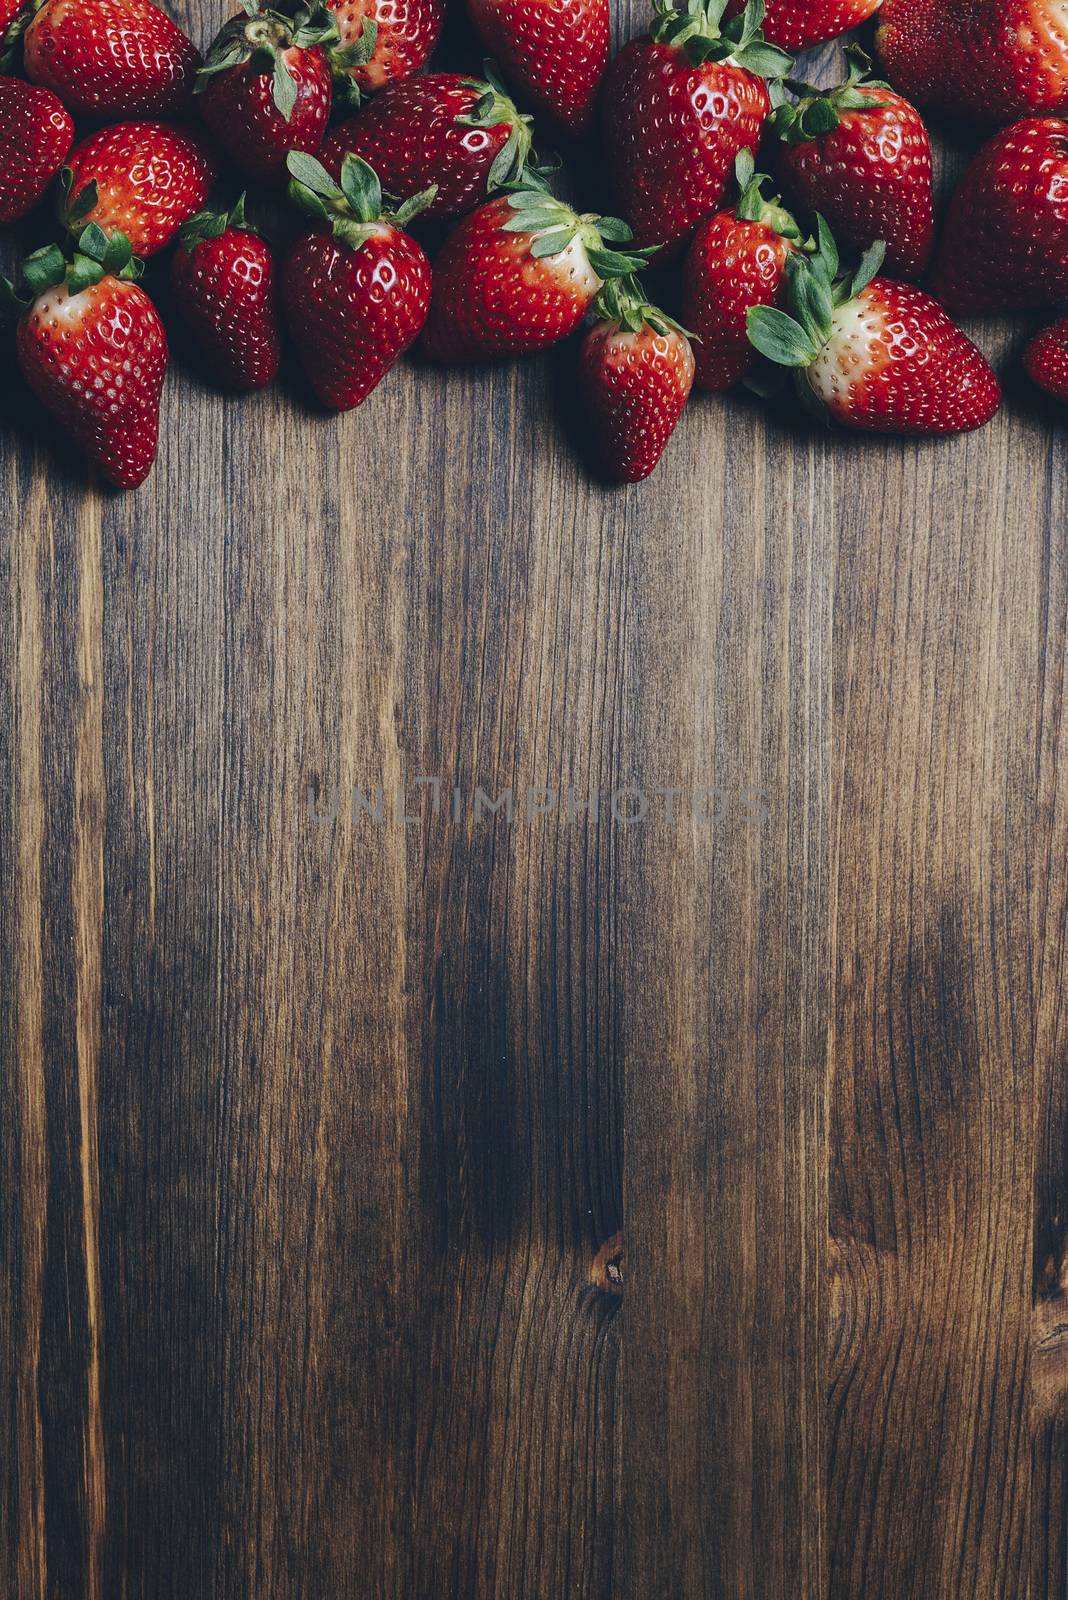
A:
[311,1128]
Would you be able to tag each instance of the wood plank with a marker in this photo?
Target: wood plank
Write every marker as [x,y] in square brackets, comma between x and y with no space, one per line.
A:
[936,664]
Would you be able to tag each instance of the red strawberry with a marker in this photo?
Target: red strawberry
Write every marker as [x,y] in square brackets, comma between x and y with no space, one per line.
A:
[383,41]
[35,136]
[555,53]
[519,274]
[989,59]
[111,58]
[461,134]
[93,350]
[1046,359]
[635,373]
[873,353]
[266,87]
[357,289]
[737,260]
[799,24]
[680,104]
[1005,244]
[143,179]
[223,279]
[861,157]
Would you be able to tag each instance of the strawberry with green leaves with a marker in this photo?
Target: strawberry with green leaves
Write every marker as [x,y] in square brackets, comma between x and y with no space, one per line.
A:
[356,289]
[679,105]
[142,179]
[108,58]
[381,42]
[635,372]
[266,87]
[519,274]
[1005,243]
[92,348]
[554,53]
[872,353]
[800,24]
[36,134]
[225,287]
[1046,359]
[737,261]
[861,156]
[462,135]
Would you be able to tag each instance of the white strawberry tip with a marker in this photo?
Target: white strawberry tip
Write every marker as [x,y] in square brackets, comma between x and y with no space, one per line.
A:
[816,293]
[583,243]
[96,256]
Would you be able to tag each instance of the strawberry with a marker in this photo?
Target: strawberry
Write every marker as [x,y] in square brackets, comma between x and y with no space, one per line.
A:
[799,24]
[519,274]
[357,289]
[92,348]
[1046,359]
[992,60]
[223,280]
[35,135]
[383,41]
[111,58]
[861,157]
[265,88]
[554,53]
[635,372]
[462,135]
[872,353]
[737,260]
[679,104]
[1005,244]
[143,179]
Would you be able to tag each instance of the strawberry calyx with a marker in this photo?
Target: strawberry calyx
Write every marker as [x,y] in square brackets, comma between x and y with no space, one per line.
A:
[622,302]
[754,206]
[816,290]
[208,225]
[344,58]
[494,108]
[554,226]
[356,208]
[261,40]
[96,255]
[817,112]
[701,32]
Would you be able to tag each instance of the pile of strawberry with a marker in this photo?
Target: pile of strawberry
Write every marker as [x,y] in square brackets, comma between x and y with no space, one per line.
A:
[325,101]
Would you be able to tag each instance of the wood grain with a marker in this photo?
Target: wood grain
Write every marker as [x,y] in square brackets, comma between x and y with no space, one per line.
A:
[313,1121]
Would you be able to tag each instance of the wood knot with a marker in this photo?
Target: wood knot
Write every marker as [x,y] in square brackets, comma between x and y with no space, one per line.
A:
[606,1273]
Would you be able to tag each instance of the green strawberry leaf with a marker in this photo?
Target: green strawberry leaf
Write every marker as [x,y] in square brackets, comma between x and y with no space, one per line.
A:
[284,88]
[870,263]
[551,244]
[93,242]
[44,269]
[359,53]
[779,337]
[361,188]
[313,175]
[83,273]
[413,206]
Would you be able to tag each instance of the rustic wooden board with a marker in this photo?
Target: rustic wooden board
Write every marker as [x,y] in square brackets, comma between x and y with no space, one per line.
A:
[312,1126]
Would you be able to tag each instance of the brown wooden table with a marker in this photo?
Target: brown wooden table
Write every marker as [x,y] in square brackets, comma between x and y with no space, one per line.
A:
[311,1127]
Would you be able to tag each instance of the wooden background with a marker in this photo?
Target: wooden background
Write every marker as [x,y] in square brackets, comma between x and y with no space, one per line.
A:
[311,1129]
